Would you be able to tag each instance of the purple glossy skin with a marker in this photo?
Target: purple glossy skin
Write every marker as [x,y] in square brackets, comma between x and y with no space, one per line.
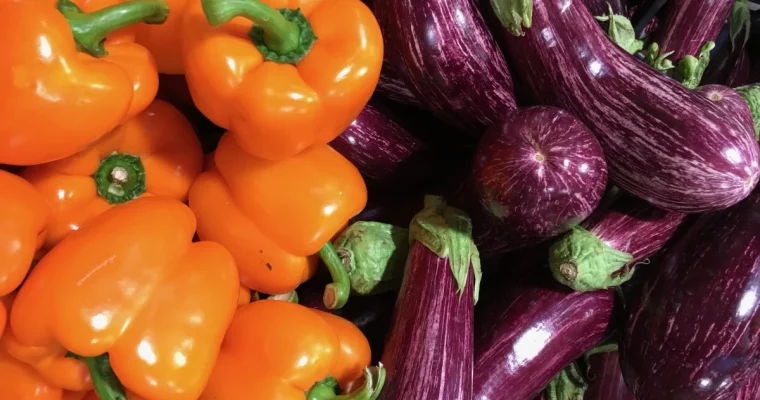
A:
[393,87]
[729,100]
[694,333]
[448,59]
[529,333]
[602,7]
[537,173]
[429,352]
[750,391]
[633,226]
[663,142]
[679,32]
[605,379]
[383,150]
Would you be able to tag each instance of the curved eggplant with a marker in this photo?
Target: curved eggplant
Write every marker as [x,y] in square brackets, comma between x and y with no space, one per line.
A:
[678,31]
[604,249]
[530,332]
[663,142]
[605,381]
[694,333]
[602,7]
[537,173]
[448,59]
[392,86]
[385,152]
[429,351]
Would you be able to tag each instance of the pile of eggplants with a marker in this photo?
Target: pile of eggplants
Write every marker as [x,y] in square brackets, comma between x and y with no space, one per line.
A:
[619,206]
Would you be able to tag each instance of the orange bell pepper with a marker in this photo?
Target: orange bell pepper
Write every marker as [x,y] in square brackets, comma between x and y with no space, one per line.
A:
[133,299]
[23,216]
[156,152]
[19,381]
[64,86]
[297,347]
[273,215]
[297,78]
[163,40]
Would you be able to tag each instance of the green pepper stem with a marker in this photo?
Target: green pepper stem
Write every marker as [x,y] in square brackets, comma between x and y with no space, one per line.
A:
[336,293]
[374,379]
[105,381]
[90,29]
[120,178]
[280,35]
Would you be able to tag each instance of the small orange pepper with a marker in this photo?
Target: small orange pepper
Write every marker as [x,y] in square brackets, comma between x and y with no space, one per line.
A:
[23,216]
[297,348]
[63,84]
[274,215]
[135,301]
[19,381]
[156,152]
[295,79]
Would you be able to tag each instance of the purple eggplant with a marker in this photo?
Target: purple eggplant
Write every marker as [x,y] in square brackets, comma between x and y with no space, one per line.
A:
[663,142]
[536,174]
[530,332]
[602,7]
[680,33]
[605,381]
[392,86]
[379,144]
[751,390]
[448,59]
[604,249]
[429,351]
[695,332]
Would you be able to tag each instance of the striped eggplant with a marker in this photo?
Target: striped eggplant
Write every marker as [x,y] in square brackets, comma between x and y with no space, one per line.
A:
[602,7]
[687,24]
[449,60]
[537,173]
[605,381]
[429,350]
[695,332]
[530,332]
[604,249]
[751,390]
[380,145]
[729,62]
[392,86]
[663,142]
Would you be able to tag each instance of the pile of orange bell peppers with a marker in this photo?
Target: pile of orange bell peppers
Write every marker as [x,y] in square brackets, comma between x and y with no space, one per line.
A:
[131,263]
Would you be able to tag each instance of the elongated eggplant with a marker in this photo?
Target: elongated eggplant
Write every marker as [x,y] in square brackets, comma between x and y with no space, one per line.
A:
[429,351]
[678,31]
[751,390]
[392,86]
[605,380]
[448,59]
[663,142]
[530,332]
[694,333]
[603,250]
[379,144]
[537,173]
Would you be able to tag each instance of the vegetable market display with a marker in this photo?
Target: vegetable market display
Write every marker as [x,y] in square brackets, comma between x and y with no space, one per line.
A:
[380,199]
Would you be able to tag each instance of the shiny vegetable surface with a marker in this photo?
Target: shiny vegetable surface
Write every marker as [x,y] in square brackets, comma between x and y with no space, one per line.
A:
[298,348]
[274,215]
[164,41]
[296,79]
[23,219]
[693,334]
[118,288]
[154,153]
[663,142]
[71,74]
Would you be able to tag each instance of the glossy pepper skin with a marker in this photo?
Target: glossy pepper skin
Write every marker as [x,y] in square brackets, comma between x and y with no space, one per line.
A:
[131,284]
[23,216]
[274,215]
[296,347]
[19,381]
[56,99]
[305,90]
[78,188]
[163,41]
